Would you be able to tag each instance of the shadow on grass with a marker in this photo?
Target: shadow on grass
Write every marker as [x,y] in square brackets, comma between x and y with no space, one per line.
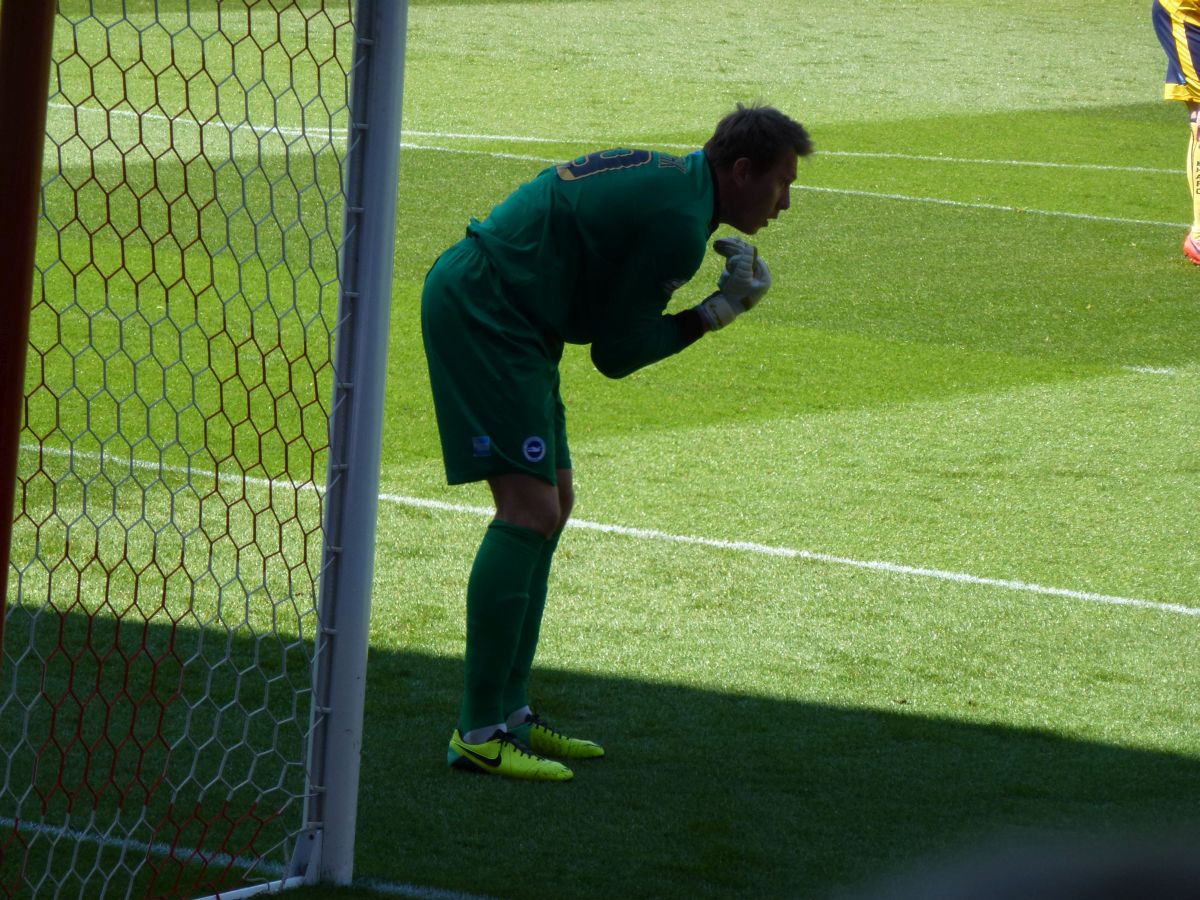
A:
[708,794]
[703,794]
[147,758]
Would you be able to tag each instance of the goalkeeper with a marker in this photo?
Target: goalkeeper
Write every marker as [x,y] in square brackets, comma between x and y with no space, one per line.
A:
[588,252]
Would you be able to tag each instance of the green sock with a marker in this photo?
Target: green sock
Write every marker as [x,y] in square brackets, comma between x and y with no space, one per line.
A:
[516,691]
[497,596]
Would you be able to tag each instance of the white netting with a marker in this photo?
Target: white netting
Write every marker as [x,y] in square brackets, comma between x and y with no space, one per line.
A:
[154,695]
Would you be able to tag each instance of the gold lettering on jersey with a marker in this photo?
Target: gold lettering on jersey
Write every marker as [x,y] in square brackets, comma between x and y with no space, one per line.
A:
[604,161]
[667,161]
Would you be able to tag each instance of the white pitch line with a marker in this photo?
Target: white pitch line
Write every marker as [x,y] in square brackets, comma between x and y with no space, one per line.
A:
[993,207]
[827,558]
[235,129]
[891,568]
[161,849]
[874,195]
[405,145]
[294,131]
[1151,370]
[244,864]
[974,161]
[329,133]
[850,154]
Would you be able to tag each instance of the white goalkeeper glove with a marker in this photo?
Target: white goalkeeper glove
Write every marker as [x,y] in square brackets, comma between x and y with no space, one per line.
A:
[734,287]
[731,248]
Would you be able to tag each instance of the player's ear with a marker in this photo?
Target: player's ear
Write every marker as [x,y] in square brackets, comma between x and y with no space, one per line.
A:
[742,169]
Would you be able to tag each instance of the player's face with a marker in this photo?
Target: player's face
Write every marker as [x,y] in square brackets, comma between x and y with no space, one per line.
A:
[763,195]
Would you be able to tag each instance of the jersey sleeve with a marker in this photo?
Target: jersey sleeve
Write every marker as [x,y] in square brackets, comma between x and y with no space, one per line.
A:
[633,329]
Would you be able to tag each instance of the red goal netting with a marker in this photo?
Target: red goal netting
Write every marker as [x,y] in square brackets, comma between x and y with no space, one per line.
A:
[167,541]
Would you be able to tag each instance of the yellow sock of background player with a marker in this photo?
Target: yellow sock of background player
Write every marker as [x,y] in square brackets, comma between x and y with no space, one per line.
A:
[1193,169]
[1191,243]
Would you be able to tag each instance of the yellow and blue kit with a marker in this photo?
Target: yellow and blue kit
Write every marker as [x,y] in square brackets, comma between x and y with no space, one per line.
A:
[1177,24]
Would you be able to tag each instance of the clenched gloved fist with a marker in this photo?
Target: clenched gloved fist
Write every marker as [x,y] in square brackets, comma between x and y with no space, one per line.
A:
[732,248]
[733,291]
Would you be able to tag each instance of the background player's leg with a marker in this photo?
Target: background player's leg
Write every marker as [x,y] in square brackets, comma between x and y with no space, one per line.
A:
[1191,246]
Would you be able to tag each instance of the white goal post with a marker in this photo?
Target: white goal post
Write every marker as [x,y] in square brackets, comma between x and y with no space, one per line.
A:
[197,467]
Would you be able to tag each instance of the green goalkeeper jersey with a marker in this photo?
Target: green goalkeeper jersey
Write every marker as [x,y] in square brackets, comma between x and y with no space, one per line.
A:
[591,251]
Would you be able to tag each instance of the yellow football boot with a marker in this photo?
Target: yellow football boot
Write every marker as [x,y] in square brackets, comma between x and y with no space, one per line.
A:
[545,741]
[503,755]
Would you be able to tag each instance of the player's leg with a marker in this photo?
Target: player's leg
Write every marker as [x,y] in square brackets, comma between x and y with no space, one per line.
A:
[1178,34]
[515,554]
[1191,243]
[520,718]
[529,727]
[516,691]
[489,430]
[497,602]
[506,596]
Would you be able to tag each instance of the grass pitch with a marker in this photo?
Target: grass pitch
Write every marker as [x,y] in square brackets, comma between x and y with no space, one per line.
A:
[979,359]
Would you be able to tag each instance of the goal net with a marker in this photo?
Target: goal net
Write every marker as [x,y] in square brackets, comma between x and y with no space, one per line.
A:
[160,637]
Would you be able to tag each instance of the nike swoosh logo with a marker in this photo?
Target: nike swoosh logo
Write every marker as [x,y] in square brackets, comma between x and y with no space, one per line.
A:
[493,762]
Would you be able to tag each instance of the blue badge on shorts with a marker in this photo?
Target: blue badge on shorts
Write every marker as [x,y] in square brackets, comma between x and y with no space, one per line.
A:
[482,445]
[534,449]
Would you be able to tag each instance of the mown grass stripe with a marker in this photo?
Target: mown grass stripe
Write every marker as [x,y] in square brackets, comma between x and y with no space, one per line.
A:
[1008,584]
[296,131]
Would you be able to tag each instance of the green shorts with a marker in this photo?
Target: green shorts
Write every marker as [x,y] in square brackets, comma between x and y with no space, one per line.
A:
[494,375]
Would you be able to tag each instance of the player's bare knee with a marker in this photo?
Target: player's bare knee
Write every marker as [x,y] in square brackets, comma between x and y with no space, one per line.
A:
[566,502]
[540,513]
[546,521]
[566,496]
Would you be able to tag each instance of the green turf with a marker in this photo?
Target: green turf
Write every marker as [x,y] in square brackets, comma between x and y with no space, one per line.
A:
[941,386]
[979,360]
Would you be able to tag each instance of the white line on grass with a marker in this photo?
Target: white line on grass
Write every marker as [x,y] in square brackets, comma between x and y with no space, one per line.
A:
[80,836]
[1151,370]
[852,154]
[812,556]
[874,195]
[294,131]
[653,534]
[223,860]
[329,133]
[489,153]
[1031,163]
[996,207]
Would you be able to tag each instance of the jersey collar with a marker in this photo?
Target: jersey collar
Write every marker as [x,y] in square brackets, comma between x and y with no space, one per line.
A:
[712,173]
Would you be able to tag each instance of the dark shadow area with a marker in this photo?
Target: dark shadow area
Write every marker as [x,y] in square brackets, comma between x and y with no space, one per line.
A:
[485,2]
[711,795]
[147,758]
[702,794]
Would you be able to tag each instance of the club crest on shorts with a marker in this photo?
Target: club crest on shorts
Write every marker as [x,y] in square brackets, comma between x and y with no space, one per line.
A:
[534,449]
